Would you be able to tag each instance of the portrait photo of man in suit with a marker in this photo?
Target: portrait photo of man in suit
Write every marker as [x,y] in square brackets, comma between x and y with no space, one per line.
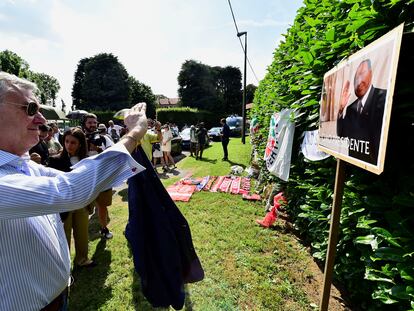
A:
[361,121]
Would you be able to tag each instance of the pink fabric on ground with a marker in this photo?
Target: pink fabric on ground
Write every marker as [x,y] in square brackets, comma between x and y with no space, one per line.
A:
[251,197]
[225,185]
[210,183]
[217,184]
[235,185]
[244,185]
[181,192]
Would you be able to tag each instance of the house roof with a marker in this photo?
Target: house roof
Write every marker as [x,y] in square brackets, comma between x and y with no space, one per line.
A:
[168,101]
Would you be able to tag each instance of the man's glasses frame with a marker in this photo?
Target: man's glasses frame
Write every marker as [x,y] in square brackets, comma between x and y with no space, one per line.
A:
[31,108]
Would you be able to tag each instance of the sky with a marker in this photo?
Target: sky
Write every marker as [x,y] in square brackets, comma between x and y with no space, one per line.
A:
[151,38]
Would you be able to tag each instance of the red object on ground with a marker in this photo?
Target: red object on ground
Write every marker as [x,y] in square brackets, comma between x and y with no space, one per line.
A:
[244,185]
[271,216]
[210,183]
[217,183]
[251,197]
[278,199]
[225,185]
[269,219]
[235,185]
[191,181]
[180,192]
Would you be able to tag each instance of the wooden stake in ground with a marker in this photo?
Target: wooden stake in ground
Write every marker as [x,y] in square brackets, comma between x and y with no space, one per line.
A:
[333,233]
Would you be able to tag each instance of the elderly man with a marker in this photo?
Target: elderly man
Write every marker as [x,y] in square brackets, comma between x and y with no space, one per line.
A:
[34,256]
[361,121]
[113,126]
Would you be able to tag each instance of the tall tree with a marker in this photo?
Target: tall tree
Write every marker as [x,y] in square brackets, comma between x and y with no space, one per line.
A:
[103,84]
[250,89]
[228,82]
[210,88]
[142,93]
[48,86]
[12,63]
[196,85]
[78,84]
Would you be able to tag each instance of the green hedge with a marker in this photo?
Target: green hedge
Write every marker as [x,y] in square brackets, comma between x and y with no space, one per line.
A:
[185,115]
[375,251]
[105,116]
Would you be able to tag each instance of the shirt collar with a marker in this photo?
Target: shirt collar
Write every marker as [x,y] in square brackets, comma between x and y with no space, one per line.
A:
[364,98]
[7,157]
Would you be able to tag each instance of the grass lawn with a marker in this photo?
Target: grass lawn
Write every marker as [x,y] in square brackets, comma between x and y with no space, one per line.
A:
[246,267]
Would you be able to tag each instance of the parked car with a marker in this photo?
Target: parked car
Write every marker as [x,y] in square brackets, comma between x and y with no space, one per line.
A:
[214,133]
[235,124]
[185,143]
[176,148]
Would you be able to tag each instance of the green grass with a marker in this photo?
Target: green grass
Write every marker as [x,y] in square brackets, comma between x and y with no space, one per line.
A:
[246,267]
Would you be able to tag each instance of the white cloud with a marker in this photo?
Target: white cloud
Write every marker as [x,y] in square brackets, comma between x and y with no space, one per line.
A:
[151,38]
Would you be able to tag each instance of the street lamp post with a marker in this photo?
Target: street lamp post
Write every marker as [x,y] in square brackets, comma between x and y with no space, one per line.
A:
[239,34]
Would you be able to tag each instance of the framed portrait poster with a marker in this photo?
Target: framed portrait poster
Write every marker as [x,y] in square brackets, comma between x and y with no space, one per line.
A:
[356,103]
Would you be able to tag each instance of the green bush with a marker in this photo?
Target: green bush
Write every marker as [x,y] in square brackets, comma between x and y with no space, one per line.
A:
[185,115]
[376,244]
[105,116]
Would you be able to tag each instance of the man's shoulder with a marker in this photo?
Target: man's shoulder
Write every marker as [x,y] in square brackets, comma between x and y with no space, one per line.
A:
[379,96]
[376,92]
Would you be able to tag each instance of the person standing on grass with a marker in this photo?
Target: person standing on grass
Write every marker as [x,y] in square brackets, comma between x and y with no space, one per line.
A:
[201,134]
[193,140]
[166,147]
[98,142]
[225,138]
[150,138]
[35,258]
[74,149]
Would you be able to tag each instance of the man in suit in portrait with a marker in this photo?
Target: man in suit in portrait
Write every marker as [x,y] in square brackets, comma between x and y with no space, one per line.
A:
[361,121]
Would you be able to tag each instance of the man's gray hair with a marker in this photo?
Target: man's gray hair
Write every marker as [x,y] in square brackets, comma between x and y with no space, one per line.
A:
[9,82]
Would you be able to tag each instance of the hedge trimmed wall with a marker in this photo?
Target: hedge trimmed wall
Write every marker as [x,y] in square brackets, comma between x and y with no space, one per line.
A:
[185,115]
[375,252]
[105,116]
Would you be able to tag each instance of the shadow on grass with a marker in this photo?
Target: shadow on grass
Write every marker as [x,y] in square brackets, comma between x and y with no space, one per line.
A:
[213,161]
[123,194]
[234,163]
[167,175]
[88,291]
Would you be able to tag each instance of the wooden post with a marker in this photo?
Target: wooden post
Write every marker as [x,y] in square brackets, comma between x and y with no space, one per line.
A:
[333,233]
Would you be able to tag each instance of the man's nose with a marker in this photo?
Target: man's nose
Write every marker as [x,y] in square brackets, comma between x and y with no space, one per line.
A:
[39,118]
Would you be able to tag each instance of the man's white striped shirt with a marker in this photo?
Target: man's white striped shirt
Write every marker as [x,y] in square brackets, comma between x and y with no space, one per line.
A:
[34,256]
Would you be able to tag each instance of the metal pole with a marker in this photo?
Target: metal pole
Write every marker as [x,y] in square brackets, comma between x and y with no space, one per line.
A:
[244,91]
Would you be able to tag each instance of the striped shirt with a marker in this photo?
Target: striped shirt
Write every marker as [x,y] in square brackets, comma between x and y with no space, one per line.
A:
[34,255]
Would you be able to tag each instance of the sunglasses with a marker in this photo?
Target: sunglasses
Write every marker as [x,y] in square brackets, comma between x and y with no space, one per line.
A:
[31,108]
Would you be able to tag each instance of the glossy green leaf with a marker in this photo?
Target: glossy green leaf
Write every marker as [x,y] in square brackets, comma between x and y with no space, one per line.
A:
[388,253]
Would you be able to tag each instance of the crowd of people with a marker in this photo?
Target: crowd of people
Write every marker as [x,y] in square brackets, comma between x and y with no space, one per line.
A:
[35,259]
[46,196]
